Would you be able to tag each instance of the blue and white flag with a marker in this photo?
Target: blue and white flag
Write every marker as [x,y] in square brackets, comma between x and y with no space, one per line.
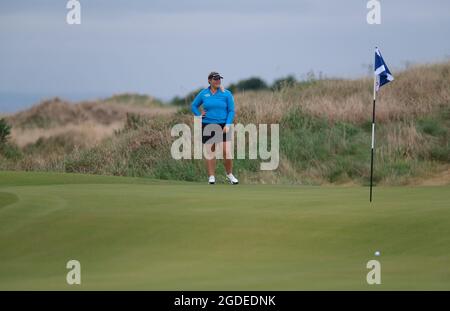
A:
[382,73]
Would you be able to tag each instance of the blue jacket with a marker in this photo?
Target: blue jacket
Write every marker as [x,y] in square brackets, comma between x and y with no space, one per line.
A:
[219,107]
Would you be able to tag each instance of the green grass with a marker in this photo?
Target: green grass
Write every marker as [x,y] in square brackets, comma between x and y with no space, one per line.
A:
[135,233]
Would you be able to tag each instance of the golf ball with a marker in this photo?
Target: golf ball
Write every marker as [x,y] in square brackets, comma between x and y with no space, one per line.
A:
[377,253]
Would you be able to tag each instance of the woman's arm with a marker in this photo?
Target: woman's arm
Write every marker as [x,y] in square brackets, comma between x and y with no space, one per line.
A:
[198,100]
[230,109]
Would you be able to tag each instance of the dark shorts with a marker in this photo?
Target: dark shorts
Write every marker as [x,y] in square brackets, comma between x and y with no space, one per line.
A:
[210,139]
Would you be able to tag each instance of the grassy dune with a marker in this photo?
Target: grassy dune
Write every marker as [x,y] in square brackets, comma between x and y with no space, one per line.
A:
[84,123]
[136,233]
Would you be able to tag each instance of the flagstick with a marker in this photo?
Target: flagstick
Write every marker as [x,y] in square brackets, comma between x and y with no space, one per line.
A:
[373,134]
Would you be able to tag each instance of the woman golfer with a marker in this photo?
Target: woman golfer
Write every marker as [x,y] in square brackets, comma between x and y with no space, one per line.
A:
[217,118]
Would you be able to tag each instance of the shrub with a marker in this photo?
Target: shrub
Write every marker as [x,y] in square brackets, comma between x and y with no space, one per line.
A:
[5,131]
[253,83]
[11,151]
[283,82]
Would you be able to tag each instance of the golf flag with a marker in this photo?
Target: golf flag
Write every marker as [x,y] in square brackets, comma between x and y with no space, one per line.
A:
[382,73]
[382,76]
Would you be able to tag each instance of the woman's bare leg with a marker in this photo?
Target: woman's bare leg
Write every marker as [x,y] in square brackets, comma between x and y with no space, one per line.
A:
[211,159]
[227,157]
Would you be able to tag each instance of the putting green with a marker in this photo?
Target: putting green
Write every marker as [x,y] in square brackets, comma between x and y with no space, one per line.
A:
[133,233]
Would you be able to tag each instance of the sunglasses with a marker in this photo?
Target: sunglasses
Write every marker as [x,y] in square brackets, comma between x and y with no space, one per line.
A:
[216,78]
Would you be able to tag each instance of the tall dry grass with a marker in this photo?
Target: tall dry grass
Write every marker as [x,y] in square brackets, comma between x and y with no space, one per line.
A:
[92,133]
[420,90]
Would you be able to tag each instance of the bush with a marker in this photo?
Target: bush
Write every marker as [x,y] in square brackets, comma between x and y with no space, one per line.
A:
[5,131]
[10,151]
[186,100]
[283,82]
[253,83]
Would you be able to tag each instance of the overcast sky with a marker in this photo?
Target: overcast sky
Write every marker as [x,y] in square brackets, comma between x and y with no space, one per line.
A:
[167,47]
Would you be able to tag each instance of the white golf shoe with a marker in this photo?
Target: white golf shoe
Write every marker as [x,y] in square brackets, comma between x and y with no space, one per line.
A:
[212,180]
[232,180]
